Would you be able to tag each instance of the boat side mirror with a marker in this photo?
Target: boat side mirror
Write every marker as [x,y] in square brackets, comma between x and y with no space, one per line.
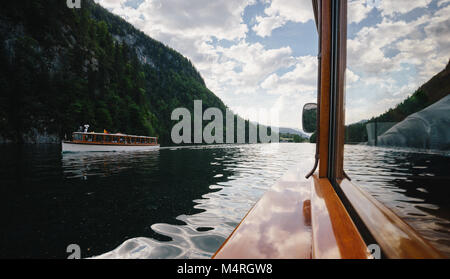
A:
[309,118]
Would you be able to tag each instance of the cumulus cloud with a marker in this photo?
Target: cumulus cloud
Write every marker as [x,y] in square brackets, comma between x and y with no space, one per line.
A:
[441,3]
[394,57]
[200,18]
[241,67]
[423,42]
[265,25]
[358,10]
[281,11]
[351,77]
[301,80]
[390,8]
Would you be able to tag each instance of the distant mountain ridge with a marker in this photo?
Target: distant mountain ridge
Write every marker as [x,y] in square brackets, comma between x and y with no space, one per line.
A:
[292,131]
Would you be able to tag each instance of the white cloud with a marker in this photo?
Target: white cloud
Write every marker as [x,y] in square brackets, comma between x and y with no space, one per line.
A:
[296,11]
[242,67]
[351,77]
[367,51]
[389,7]
[281,11]
[301,80]
[201,18]
[358,10]
[394,57]
[441,3]
[265,25]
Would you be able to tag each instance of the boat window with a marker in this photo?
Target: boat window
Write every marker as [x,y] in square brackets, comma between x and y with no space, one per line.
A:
[397,111]
[77,137]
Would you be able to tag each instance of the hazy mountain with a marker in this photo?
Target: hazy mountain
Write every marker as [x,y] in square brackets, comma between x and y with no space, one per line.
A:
[293,132]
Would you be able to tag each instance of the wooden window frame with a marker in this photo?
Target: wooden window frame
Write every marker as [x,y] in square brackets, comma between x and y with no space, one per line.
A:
[375,222]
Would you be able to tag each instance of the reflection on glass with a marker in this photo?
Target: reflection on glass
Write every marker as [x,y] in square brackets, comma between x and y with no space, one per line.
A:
[398,86]
[309,118]
[375,130]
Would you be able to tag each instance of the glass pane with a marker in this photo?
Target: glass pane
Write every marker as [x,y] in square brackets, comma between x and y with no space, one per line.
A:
[398,110]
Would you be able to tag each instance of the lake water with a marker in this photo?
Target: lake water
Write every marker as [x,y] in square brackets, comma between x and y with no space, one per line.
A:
[184,202]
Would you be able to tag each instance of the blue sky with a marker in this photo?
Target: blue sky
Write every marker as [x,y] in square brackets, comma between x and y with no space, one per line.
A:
[259,56]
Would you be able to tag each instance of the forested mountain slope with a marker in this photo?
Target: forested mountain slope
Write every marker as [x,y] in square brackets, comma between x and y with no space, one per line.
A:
[61,68]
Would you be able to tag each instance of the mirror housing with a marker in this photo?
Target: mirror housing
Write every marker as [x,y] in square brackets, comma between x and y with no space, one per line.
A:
[309,118]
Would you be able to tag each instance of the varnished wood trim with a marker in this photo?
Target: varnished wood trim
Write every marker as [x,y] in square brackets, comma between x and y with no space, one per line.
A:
[396,238]
[223,252]
[340,102]
[277,227]
[325,30]
[335,236]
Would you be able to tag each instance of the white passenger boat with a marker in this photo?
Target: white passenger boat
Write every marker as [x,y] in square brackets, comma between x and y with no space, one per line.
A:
[102,142]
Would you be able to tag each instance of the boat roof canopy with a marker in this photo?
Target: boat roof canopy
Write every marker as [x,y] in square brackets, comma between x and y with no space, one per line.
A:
[115,135]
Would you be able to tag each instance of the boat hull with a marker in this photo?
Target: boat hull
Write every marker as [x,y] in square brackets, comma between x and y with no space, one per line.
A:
[82,147]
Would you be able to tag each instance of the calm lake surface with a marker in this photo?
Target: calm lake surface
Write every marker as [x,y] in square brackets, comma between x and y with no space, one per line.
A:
[184,202]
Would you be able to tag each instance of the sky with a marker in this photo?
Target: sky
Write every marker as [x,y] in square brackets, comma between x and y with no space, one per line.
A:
[260,56]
